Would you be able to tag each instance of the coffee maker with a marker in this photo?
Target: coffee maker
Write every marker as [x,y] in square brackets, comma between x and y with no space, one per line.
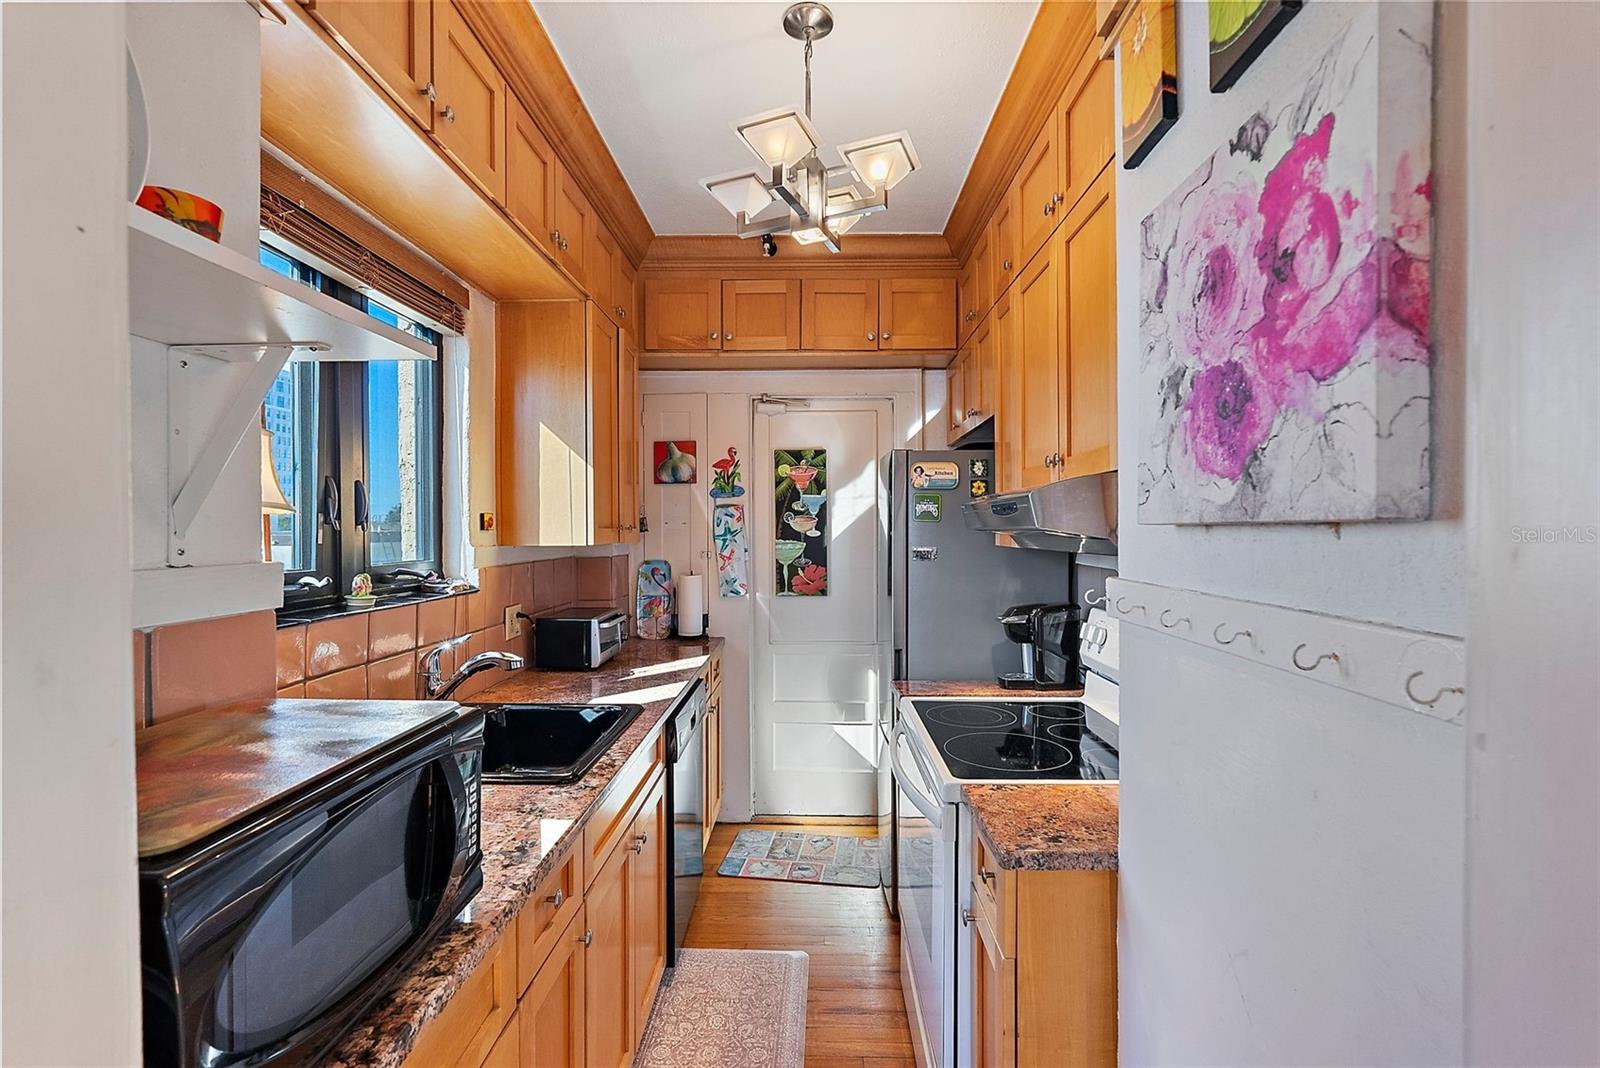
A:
[1048,634]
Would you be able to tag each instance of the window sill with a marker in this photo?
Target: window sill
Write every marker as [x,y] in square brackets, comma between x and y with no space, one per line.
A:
[296,617]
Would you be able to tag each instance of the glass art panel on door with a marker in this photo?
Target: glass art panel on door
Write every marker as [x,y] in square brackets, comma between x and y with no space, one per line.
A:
[653,615]
[1285,288]
[733,565]
[801,504]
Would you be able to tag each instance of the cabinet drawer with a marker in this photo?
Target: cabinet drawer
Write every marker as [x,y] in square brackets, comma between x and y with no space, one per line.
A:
[466,1031]
[553,904]
[613,815]
[994,895]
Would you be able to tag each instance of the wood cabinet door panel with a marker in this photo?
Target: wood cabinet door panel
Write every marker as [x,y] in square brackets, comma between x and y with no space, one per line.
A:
[839,314]
[1036,306]
[1089,364]
[917,313]
[541,422]
[1004,254]
[966,301]
[1008,400]
[571,216]
[1088,129]
[600,267]
[1038,191]
[647,904]
[628,426]
[625,294]
[551,1014]
[682,314]
[982,373]
[392,39]
[994,1000]
[604,394]
[955,396]
[608,1021]
[761,316]
[531,167]
[466,1029]
[470,111]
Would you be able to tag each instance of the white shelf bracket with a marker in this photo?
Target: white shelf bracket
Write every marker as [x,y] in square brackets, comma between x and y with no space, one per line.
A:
[192,472]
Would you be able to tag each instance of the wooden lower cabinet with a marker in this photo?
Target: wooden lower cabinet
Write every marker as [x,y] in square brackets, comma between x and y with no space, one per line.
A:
[551,1015]
[507,1050]
[608,1025]
[1044,966]
[465,1033]
[647,905]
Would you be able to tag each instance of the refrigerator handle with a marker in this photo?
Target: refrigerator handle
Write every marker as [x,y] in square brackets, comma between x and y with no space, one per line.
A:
[889,561]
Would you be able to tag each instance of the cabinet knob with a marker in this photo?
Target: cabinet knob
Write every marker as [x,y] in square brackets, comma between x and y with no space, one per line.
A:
[1050,207]
[620,313]
[638,842]
[971,412]
[558,897]
[714,335]
[967,916]
[727,337]
[986,875]
[872,335]
[1005,265]
[448,114]
[429,92]
[588,938]
[886,335]
[1056,198]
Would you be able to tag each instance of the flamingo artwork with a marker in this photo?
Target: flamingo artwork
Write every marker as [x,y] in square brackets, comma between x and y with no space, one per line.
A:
[726,476]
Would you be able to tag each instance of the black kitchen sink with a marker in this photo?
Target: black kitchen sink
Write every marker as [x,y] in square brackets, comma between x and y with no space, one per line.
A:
[549,743]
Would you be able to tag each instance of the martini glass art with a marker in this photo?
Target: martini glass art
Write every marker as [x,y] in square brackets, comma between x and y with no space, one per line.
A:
[788,552]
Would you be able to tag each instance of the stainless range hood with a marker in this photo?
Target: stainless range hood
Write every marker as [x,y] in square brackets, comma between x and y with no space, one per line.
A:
[1076,515]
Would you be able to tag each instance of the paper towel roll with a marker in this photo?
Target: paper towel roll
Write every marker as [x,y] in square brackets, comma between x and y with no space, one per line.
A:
[691,605]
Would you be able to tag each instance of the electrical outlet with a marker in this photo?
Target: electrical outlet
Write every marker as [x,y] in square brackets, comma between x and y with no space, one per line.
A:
[513,622]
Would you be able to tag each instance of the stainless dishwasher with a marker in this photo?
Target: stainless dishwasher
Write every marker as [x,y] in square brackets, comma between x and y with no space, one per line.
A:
[686,781]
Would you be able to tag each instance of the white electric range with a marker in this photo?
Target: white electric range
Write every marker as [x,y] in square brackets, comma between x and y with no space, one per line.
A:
[941,744]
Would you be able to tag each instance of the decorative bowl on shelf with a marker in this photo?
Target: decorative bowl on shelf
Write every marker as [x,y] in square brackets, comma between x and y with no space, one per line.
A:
[186,209]
[352,601]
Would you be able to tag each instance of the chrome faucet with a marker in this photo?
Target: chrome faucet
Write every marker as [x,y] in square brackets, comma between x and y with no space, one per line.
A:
[437,687]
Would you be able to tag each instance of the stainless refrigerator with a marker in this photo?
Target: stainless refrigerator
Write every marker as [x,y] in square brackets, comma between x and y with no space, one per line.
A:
[948,584]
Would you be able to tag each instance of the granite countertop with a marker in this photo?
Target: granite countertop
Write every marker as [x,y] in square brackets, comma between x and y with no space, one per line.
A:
[1054,827]
[526,830]
[978,688]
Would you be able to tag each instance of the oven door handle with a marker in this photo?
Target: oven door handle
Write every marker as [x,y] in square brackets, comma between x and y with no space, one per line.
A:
[931,809]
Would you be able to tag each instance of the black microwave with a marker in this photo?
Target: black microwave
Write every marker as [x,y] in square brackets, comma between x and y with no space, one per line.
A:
[322,850]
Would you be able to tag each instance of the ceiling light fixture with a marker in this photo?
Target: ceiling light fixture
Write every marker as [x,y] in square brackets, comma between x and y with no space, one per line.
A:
[794,193]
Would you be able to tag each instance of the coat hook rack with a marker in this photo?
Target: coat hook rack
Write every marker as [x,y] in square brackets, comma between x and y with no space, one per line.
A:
[1124,610]
[1181,619]
[1216,636]
[1295,656]
[1414,676]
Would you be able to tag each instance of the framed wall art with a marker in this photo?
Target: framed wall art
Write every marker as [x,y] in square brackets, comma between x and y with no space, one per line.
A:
[1239,31]
[1148,44]
[800,500]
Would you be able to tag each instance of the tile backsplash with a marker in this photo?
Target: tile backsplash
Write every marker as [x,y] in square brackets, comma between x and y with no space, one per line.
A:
[207,664]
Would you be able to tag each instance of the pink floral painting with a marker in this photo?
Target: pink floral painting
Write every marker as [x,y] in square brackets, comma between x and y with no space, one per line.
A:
[1284,300]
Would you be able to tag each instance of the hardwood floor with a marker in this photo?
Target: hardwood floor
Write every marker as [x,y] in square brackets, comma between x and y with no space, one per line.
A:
[855,1017]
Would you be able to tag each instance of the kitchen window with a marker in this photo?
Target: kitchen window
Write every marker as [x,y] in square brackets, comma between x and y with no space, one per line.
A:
[357,449]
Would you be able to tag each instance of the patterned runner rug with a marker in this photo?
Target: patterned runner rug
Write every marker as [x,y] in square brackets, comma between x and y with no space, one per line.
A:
[803,857]
[729,1007]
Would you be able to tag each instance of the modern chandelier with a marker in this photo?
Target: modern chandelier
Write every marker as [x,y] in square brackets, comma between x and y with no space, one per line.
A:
[794,193]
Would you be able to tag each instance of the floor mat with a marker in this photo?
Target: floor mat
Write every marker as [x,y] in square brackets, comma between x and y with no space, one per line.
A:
[723,1007]
[802,857]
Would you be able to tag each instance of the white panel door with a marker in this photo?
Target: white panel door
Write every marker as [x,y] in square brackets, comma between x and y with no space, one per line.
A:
[819,661]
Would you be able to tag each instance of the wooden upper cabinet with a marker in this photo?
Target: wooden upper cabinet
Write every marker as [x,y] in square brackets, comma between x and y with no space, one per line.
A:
[1089,359]
[917,313]
[839,314]
[1036,306]
[982,373]
[1088,128]
[571,236]
[542,423]
[1037,191]
[393,41]
[682,314]
[967,300]
[600,267]
[605,366]
[470,105]
[761,315]
[1004,256]
[531,167]
[983,276]
[628,425]
[625,294]
[550,1017]
[955,382]
[1008,399]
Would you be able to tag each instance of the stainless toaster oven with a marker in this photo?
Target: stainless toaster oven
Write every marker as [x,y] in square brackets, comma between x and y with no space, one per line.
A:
[578,640]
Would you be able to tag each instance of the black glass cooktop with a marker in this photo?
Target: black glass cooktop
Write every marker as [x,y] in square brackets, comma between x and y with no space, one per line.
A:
[1017,740]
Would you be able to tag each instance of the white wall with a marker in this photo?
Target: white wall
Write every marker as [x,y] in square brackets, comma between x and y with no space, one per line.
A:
[726,400]
[1533,839]
[69,978]
[1407,574]
[1292,855]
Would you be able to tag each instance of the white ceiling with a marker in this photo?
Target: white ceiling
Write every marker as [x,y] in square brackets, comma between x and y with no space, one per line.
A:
[664,81]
